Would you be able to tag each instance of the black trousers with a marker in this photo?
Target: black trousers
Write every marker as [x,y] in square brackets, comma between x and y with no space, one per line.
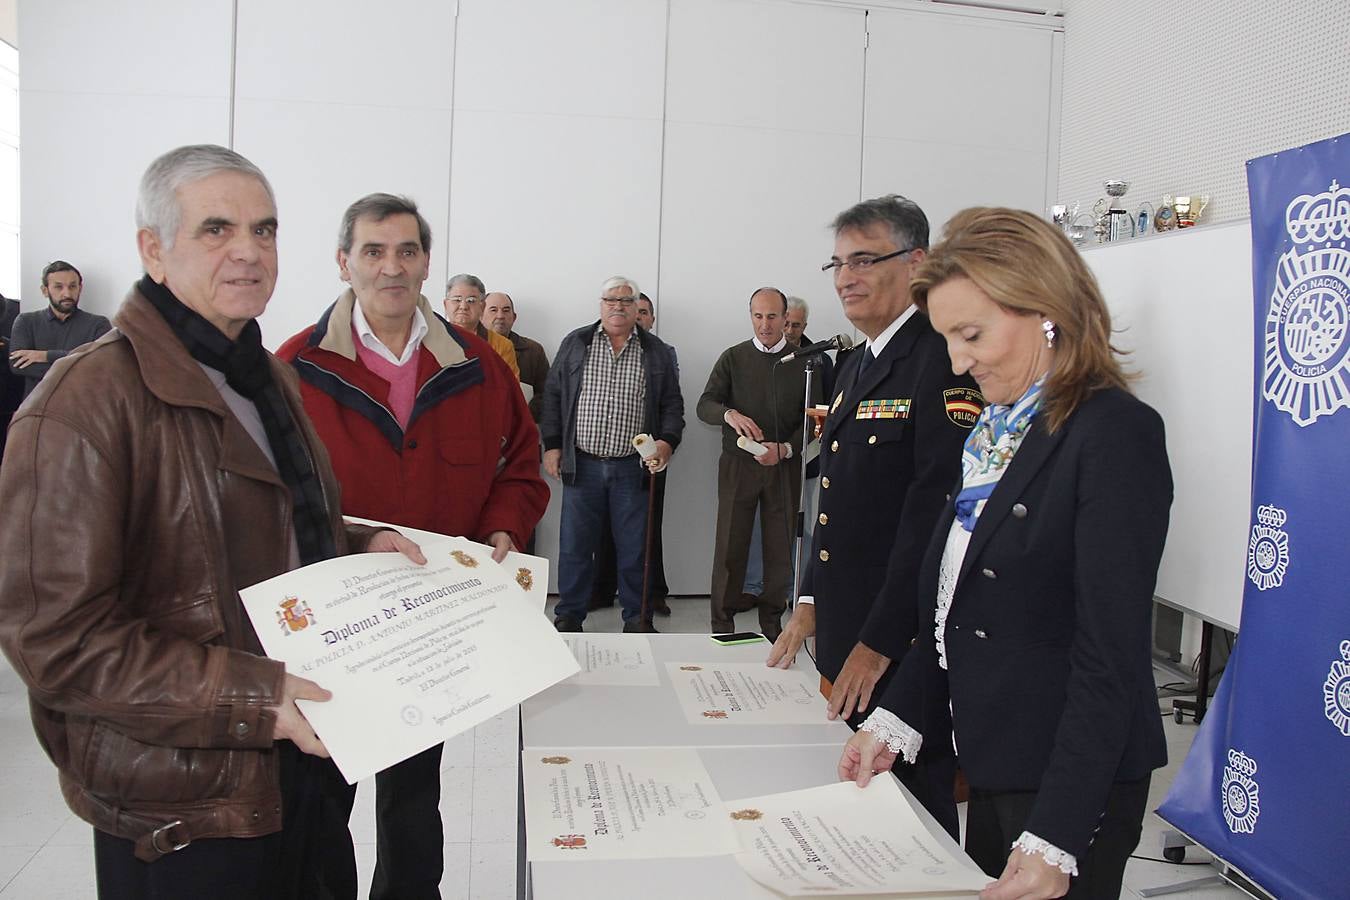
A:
[409,835]
[995,819]
[311,858]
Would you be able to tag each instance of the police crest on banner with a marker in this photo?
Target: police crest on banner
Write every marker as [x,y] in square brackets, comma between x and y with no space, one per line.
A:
[1266,782]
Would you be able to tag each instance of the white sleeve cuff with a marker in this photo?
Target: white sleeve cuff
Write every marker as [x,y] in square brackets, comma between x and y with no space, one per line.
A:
[1029,843]
[807,598]
[900,739]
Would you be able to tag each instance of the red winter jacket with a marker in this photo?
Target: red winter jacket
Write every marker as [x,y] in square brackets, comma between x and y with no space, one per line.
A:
[469,462]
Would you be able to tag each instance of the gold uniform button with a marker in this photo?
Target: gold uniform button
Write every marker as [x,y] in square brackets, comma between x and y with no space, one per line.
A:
[834,447]
[872,439]
[823,519]
[824,556]
[824,481]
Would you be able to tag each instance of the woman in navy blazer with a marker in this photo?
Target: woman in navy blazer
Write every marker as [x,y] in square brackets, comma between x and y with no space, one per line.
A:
[1033,661]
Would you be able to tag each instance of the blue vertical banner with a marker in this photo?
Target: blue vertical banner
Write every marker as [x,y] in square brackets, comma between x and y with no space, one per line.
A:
[1266,785]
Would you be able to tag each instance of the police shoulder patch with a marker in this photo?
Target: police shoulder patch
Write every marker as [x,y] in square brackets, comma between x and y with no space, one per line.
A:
[964,405]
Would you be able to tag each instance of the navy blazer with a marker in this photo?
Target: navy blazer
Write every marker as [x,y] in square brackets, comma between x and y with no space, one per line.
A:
[1050,674]
[883,482]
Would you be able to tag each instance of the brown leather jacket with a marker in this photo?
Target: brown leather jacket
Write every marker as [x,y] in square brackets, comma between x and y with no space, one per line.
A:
[135,507]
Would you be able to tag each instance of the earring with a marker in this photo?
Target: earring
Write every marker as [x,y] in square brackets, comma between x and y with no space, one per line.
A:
[1049,328]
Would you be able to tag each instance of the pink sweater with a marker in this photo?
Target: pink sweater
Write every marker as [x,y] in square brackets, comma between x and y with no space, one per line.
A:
[402,379]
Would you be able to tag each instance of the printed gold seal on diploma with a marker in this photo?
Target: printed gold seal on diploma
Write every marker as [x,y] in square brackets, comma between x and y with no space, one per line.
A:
[556,760]
[464,559]
[691,668]
[524,578]
[747,815]
[714,714]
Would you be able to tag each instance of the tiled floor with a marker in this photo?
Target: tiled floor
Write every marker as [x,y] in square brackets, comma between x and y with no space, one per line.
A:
[46,853]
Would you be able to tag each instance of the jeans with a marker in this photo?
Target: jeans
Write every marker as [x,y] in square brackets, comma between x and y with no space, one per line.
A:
[613,489]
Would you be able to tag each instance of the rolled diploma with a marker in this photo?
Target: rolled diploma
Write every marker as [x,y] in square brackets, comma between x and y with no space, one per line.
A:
[754,448]
[645,446]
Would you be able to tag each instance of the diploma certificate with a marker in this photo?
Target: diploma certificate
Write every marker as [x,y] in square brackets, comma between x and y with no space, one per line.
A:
[839,839]
[747,694]
[619,659]
[413,654]
[529,572]
[598,803]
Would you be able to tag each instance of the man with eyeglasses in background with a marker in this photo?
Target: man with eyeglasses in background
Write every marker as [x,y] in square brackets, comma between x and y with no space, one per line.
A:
[465,297]
[610,381]
[890,452]
[606,584]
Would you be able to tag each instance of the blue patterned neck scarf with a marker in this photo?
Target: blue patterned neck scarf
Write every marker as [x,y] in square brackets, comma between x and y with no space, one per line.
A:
[989,448]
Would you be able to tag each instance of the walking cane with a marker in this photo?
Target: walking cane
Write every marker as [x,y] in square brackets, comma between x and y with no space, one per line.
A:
[647,553]
[646,448]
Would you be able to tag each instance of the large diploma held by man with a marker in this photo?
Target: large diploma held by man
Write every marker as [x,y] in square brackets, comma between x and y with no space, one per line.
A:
[412,654]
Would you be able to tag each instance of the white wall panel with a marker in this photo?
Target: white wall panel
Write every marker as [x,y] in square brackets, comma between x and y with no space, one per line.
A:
[762,149]
[106,88]
[370,112]
[395,55]
[556,172]
[958,112]
[579,58]
[146,48]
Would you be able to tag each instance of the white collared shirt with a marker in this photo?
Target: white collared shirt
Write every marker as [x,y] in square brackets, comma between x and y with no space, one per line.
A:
[374,344]
[878,343]
[782,342]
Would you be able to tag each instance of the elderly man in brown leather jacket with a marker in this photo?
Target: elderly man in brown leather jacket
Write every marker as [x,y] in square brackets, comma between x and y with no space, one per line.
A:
[149,477]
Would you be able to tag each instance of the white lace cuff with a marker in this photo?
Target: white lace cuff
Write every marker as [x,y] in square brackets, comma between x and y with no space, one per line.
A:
[900,739]
[1065,862]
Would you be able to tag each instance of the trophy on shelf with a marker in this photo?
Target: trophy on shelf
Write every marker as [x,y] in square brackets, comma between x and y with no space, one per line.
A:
[1189,209]
[1119,223]
[1165,219]
[1143,219]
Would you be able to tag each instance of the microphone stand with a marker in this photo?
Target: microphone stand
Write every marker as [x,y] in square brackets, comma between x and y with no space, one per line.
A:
[808,433]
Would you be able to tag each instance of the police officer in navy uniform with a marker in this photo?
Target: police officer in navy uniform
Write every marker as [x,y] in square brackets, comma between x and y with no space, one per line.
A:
[890,454]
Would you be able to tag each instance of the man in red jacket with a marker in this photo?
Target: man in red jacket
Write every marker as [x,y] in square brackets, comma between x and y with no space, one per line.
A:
[428,428]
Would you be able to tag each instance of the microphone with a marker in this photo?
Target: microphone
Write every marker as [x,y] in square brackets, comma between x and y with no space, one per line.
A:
[838,342]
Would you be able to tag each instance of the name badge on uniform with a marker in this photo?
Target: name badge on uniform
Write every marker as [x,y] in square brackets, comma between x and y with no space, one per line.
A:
[883,409]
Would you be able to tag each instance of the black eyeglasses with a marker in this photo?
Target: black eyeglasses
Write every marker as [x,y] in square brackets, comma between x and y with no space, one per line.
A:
[863,263]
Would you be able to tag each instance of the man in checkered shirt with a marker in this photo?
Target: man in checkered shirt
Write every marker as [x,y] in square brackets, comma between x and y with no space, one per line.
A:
[610,381]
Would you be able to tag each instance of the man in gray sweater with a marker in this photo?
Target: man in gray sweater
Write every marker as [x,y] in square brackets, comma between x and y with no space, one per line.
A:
[751,395]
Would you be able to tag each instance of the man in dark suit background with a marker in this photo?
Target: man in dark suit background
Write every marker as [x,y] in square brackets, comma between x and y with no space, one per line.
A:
[890,453]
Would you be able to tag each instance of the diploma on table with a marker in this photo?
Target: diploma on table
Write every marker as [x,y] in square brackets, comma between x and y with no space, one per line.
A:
[413,654]
[839,839]
[746,694]
[530,572]
[619,659]
[600,803]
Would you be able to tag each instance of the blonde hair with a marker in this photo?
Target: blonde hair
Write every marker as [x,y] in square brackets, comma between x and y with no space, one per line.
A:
[1028,267]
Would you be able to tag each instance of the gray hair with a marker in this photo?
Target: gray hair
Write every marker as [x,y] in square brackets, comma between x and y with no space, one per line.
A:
[799,303]
[379,207]
[907,223]
[157,206]
[618,281]
[472,281]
